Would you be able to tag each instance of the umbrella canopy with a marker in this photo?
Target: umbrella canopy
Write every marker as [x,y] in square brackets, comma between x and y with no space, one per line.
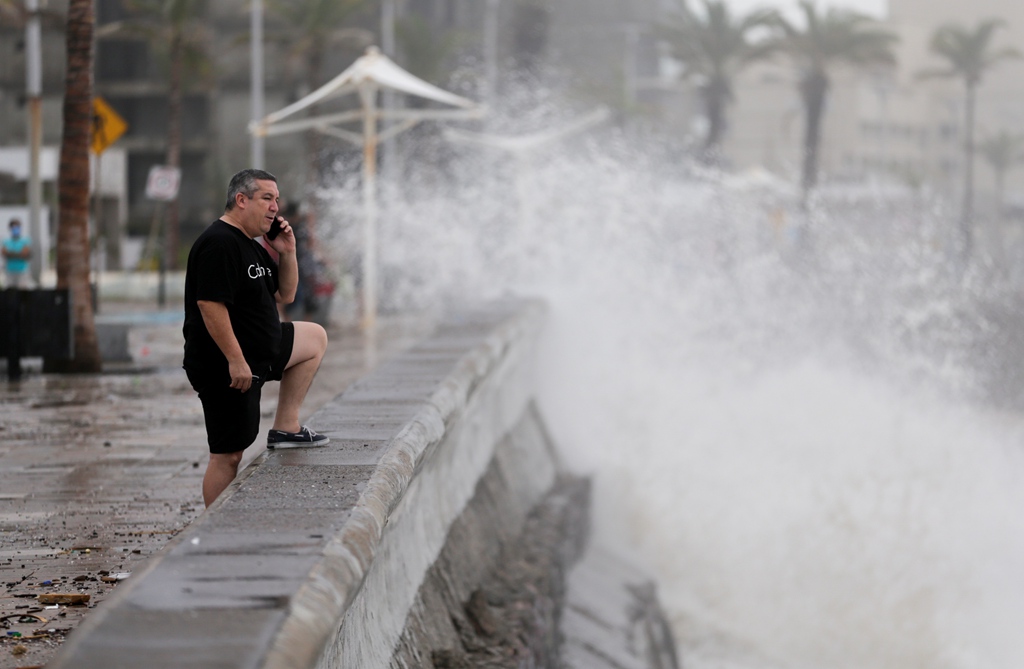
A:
[373,71]
[367,76]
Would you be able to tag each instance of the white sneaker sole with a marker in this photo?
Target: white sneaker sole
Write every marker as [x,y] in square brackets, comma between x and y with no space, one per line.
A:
[298,444]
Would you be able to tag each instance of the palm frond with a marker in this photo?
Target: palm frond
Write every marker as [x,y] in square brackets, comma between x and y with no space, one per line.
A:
[160,22]
[969,52]
[314,26]
[835,36]
[715,41]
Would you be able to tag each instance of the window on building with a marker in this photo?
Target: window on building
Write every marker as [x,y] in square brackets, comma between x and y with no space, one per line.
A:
[121,60]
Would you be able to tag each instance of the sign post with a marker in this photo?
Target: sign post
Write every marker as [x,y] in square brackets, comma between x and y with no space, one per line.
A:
[34,98]
[162,186]
[107,128]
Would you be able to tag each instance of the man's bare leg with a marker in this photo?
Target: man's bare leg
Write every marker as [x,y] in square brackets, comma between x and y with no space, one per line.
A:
[307,353]
[220,472]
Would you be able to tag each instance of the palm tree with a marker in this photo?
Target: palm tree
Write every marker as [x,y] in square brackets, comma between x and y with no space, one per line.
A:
[530,23]
[823,41]
[714,46]
[175,25]
[313,28]
[1002,151]
[73,191]
[969,54]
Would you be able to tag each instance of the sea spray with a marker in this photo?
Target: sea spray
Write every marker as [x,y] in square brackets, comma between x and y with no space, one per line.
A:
[787,412]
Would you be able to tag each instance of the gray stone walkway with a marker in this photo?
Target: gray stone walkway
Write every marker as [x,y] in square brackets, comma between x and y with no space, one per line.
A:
[98,472]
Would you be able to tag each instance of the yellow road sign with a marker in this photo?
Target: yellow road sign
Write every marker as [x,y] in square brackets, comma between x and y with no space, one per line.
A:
[107,125]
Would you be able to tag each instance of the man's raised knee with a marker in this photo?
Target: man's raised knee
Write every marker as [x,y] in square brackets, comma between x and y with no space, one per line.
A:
[310,344]
[317,337]
[321,334]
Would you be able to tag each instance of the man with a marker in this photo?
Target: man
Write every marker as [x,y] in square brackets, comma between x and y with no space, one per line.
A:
[234,339]
[17,251]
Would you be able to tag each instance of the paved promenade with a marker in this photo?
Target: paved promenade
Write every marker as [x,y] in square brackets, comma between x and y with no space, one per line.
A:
[98,472]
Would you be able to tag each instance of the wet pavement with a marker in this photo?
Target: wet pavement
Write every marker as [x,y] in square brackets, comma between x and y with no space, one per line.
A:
[99,472]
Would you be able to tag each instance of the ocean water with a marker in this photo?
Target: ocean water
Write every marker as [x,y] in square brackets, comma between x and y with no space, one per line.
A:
[801,422]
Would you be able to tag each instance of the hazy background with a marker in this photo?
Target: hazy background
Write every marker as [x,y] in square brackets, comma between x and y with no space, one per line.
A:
[875,8]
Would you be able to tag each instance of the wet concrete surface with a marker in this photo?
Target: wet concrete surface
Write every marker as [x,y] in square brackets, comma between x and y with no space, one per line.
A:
[99,472]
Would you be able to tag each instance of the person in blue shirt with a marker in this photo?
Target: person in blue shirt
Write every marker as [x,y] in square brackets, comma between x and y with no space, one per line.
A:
[17,251]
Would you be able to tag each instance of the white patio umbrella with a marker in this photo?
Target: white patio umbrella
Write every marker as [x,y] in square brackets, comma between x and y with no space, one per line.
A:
[366,77]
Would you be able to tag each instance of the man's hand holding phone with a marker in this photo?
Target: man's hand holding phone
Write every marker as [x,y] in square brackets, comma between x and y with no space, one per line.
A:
[281,235]
[275,228]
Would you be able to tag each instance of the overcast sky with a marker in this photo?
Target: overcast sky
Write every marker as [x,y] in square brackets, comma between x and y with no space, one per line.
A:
[873,7]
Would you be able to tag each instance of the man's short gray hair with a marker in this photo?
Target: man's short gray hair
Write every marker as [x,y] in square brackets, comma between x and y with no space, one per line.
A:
[245,182]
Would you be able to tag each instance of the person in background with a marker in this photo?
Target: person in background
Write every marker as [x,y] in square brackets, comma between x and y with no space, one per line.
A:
[316,288]
[17,251]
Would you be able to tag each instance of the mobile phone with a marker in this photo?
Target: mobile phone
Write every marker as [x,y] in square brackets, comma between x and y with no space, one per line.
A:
[275,228]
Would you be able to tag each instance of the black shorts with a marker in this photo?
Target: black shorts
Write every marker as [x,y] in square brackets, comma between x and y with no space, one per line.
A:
[233,417]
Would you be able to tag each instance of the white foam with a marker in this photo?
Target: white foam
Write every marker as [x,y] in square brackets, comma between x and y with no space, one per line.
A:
[784,415]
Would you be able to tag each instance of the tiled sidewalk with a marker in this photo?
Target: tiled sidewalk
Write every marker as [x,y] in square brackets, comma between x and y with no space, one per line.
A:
[97,473]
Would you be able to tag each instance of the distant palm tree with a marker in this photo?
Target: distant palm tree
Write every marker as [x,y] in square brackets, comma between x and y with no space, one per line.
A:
[714,46]
[316,27]
[175,27]
[531,33]
[969,54]
[1002,151]
[822,41]
[73,191]
[313,29]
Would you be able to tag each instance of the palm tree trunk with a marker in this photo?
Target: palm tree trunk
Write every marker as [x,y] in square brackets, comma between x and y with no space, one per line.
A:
[967,213]
[1000,196]
[813,90]
[73,189]
[716,94]
[171,233]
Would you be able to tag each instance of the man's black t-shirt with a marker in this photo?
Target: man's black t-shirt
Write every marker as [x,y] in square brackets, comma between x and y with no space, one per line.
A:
[226,266]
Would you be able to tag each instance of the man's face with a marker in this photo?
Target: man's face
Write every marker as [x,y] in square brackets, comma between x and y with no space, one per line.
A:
[262,207]
[15,231]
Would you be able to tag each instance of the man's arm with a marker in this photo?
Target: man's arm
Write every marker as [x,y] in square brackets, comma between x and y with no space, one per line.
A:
[287,263]
[218,324]
[287,277]
[24,253]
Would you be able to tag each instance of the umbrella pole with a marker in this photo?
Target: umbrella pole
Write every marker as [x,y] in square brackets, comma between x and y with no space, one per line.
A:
[369,98]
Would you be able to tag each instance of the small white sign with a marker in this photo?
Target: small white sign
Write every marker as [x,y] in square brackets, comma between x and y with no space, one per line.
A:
[163,182]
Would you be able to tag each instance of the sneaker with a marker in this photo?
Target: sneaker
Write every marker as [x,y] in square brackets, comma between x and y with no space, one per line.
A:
[304,437]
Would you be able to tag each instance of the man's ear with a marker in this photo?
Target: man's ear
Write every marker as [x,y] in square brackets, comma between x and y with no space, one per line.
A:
[240,200]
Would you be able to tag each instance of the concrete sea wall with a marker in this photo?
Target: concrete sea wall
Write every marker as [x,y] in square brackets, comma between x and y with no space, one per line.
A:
[437,529]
